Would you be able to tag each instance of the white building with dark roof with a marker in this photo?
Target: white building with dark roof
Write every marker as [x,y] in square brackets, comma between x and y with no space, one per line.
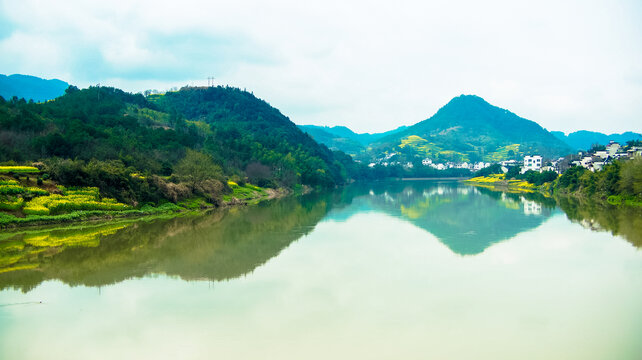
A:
[532,163]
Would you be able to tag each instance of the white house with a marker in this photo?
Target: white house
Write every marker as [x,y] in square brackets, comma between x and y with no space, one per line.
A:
[426,162]
[634,151]
[586,161]
[602,154]
[612,148]
[532,163]
[480,165]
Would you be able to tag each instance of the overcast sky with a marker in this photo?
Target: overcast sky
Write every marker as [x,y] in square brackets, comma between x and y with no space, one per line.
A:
[369,65]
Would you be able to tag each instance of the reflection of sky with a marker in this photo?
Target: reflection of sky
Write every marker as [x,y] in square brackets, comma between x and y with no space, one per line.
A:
[374,287]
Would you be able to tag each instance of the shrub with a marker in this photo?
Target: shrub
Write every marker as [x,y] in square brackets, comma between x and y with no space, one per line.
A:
[58,204]
[36,191]
[35,209]
[11,189]
[11,205]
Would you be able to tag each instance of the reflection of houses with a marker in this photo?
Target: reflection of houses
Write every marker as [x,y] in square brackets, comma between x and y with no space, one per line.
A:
[531,207]
[591,224]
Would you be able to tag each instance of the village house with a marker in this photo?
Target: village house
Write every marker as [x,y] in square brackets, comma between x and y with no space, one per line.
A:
[480,165]
[634,151]
[532,163]
[612,148]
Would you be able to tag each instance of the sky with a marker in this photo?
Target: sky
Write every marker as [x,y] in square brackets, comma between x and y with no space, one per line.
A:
[369,65]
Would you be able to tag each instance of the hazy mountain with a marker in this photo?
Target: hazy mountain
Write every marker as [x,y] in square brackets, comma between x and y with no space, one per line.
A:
[583,139]
[344,139]
[470,129]
[31,87]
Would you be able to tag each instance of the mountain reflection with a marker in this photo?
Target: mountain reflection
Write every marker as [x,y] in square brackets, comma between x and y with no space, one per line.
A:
[227,244]
[465,219]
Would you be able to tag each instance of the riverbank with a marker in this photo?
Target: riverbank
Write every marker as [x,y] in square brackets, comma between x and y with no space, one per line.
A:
[72,205]
[499,181]
[548,189]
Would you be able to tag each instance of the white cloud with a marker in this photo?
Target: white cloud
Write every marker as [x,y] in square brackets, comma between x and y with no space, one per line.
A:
[369,65]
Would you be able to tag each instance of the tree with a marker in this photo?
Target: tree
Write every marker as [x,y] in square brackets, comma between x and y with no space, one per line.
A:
[71,89]
[631,178]
[513,172]
[197,167]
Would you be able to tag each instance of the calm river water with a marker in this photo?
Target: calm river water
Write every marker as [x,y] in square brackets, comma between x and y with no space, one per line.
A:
[399,270]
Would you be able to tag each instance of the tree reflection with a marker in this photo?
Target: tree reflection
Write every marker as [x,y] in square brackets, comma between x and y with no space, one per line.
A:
[217,246]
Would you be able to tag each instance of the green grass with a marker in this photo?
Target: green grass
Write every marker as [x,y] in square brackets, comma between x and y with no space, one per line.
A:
[18,169]
[195,203]
[11,189]
[245,192]
[7,220]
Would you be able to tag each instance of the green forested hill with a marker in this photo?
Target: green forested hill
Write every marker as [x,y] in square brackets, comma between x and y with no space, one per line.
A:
[243,134]
[470,129]
[248,132]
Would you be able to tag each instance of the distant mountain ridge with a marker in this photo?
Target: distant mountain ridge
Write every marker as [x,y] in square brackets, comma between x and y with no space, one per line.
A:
[344,139]
[583,139]
[470,129]
[31,87]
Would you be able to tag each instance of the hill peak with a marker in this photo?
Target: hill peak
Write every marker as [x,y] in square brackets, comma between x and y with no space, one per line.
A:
[473,101]
[468,128]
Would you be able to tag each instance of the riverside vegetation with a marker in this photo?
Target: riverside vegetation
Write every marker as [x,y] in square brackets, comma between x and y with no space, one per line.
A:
[618,183]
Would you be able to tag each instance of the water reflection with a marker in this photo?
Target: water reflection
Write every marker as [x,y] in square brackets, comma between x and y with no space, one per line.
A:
[217,246]
[622,221]
[228,244]
[465,219]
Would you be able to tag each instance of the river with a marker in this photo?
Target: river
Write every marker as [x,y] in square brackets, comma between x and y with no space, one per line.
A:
[390,270]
